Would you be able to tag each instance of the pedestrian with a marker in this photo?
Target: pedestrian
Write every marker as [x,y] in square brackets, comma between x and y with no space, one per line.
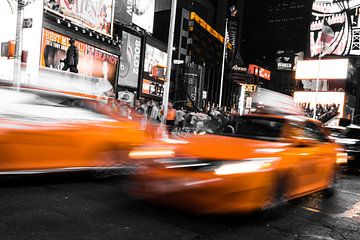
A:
[154,115]
[72,58]
[179,120]
[170,118]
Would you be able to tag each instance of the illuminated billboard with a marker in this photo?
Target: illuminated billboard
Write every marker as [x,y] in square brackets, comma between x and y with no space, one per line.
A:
[343,18]
[93,14]
[153,57]
[259,71]
[93,62]
[130,60]
[154,70]
[139,12]
[325,69]
[325,101]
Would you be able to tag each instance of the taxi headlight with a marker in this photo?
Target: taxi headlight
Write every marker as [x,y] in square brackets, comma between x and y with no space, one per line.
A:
[245,166]
[151,153]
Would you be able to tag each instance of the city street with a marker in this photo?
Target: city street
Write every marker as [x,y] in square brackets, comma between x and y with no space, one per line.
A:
[82,207]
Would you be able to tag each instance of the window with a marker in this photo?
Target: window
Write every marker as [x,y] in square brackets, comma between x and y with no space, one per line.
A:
[312,130]
[184,42]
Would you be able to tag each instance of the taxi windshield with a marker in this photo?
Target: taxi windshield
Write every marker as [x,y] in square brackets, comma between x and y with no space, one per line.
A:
[262,128]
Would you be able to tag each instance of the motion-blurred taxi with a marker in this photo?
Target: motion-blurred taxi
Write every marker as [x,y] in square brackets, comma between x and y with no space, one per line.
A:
[61,133]
[254,162]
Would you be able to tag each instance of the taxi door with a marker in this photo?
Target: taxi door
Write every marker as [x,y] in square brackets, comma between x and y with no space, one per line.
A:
[303,156]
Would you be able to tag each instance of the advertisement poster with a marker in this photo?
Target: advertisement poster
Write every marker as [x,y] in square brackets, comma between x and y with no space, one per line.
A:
[139,12]
[92,61]
[344,20]
[93,14]
[153,58]
[130,61]
[325,101]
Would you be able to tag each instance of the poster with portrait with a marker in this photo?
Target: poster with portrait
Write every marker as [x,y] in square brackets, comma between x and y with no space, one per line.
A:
[93,62]
[93,14]
[130,60]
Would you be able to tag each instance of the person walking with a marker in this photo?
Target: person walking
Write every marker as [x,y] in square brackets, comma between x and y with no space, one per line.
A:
[72,58]
[170,118]
[154,115]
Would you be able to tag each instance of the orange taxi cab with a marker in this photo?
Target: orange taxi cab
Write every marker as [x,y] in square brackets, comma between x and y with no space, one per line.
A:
[60,133]
[254,162]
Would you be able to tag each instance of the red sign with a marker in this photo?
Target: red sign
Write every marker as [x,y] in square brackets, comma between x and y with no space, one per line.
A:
[259,71]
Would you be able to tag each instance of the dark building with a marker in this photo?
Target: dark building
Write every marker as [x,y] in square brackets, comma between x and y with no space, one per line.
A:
[273,26]
[198,42]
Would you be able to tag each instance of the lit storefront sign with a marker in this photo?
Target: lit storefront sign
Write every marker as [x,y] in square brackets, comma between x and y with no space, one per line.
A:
[250,87]
[328,69]
[259,71]
[152,88]
[93,14]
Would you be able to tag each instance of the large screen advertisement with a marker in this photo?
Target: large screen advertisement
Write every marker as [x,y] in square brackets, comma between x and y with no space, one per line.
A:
[139,12]
[154,57]
[93,62]
[93,14]
[327,103]
[154,71]
[130,60]
[344,20]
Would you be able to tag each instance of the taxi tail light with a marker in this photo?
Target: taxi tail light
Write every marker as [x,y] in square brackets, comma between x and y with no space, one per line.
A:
[342,158]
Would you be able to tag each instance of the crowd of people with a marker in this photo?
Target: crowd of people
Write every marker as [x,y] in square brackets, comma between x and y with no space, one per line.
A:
[324,112]
[183,120]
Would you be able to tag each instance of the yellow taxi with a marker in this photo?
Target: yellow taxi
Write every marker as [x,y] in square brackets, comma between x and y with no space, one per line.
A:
[254,162]
[60,133]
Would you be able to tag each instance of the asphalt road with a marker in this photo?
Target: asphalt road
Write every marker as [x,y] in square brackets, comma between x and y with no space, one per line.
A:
[81,207]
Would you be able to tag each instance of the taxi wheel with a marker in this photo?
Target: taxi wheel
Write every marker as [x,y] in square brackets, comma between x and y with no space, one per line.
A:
[278,198]
[330,190]
[108,163]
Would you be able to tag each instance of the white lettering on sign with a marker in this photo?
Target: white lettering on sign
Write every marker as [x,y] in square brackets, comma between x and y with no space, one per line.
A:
[137,51]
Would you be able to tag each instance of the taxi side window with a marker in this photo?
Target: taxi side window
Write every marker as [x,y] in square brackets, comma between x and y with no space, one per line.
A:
[313,131]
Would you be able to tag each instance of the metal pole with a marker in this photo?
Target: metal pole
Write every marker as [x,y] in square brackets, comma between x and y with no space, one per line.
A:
[169,60]
[18,44]
[317,81]
[319,67]
[223,65]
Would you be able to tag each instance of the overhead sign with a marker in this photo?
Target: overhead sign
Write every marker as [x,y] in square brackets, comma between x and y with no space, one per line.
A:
[325,69]
[259,71]
[93,14]
[207,27]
